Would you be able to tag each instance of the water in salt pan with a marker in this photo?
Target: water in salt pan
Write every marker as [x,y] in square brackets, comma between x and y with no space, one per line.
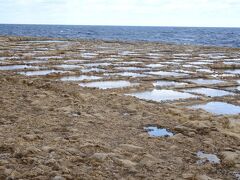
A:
[130,74]
[168,84]
[124,53]
[35,62]
[204,158]
[89,55]
[158,132]
[164,73]
[45,41]
[40,73]
[108,84]
[16,67]
[232,63]
[219,108]
[200,63]
[92,70]
[154,55]
[205,70]
[205,81]
[4,58]
[236,71]
[190,66]
[131,62]
[155,65]
[184,71]
[80,78]
[131,68]
[209,92]
[68,66]
[162,95]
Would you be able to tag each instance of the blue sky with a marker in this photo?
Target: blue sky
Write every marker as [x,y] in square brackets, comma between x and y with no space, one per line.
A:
[215,13]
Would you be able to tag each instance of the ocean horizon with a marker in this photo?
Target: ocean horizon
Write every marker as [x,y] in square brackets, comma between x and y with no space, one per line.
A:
[206,36]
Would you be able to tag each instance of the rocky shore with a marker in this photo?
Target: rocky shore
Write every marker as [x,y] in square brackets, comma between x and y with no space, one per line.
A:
[51,128]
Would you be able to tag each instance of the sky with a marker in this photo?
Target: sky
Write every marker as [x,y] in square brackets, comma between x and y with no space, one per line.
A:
[198,13]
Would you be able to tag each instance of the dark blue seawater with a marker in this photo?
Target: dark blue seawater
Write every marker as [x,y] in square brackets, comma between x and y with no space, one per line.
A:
[179,35]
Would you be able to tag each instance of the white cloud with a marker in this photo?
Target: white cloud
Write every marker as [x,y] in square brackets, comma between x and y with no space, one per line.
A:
[122,12]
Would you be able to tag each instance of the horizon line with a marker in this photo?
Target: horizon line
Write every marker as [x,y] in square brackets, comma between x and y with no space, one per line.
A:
[40,24]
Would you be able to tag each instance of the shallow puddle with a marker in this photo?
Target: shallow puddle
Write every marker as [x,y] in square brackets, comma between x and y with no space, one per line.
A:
[191,66]
[236,71]
[168,84]
[124,53]
[80,78]
[131,62]
[205,70]
[130,74]
[35,62]
[232,63]
[219,108]
[209,92]
[69,66]
[200,63]
[131,68]
[16,67]
[184,71]
[40,73]
[108,84]
[155,65]
[162,95]
[237,175]
[204,158]
[205,81]
[92,70]
[89,55]
[158,132]
[165,73]
[45,41]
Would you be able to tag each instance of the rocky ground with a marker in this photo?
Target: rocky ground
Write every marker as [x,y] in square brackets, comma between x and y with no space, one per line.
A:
[57,130]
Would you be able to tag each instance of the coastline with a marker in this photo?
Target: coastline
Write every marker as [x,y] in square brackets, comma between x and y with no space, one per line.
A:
[54,129]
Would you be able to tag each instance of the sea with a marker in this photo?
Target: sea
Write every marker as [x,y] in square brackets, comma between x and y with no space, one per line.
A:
[221,37]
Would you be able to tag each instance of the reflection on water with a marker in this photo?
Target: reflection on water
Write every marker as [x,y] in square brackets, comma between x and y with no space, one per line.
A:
[158,132]
[162,95]
[219,108]
[107,84]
